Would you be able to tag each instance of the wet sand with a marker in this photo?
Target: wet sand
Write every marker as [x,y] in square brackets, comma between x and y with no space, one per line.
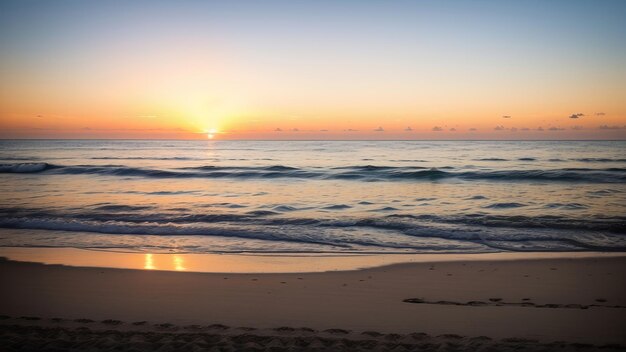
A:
[498,305]
[261,263]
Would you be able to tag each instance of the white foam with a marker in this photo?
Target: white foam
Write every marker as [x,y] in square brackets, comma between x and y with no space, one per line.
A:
[23,167]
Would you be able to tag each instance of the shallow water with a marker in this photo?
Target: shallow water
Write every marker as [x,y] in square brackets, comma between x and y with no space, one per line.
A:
[313,197]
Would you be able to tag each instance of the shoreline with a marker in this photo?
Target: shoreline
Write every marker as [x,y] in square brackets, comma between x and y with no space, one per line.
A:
[260,263]
[576,300]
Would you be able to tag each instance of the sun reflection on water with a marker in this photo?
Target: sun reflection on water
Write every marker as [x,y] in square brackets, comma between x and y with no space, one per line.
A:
[178,263]
[149,262]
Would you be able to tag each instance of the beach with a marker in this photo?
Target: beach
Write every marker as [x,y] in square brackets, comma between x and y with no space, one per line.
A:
[538,304]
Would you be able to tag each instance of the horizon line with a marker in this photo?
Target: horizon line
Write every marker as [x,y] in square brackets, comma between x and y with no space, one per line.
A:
[313,140]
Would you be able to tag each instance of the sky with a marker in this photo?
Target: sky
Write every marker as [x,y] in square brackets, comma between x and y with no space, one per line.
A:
[367,69]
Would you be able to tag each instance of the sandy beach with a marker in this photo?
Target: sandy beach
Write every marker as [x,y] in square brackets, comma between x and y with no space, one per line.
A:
[537,304]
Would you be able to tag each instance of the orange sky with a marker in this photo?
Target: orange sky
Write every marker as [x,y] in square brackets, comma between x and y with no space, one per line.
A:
[272,73]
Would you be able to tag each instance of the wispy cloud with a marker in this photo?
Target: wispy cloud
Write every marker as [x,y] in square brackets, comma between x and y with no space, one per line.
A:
[437,129]
[473,129]
[278,129]
[555,129]
[575,116]
[577,128]
[408,129]
[540,128]
[379,129]
[506,116]
[499,128]
[453,129]
[600,114]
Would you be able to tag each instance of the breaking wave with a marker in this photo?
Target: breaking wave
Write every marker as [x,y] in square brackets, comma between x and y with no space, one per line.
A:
[367,172]
[390,233]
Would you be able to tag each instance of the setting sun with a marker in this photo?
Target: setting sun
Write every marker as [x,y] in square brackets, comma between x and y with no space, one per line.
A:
[211,133]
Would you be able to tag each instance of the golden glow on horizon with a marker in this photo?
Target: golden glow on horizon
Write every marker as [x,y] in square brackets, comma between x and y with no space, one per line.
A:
[211,133]
[218,99]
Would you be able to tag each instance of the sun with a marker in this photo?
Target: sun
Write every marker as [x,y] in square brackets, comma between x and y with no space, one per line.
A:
[210,134]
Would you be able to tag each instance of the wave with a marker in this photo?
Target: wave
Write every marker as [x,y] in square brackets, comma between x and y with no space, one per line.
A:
[149,214]
[566,206]
[615,225]
[337,207]
[600,160]
[16,158]
[23,167]
[117,207]
[504,205]
[367,173]
[583,160]
[392,232]
[476,197]
[121,228]
[145,158]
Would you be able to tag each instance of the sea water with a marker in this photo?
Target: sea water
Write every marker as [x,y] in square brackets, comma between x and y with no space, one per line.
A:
[313,196]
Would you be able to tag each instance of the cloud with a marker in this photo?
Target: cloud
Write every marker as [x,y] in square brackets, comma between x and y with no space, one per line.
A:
[408,129]
[350,130]
[575,116]
[295,130]
[437,129]
[614,127]
[513,129]
[506,116]
[453,129]
[555,129]
[525,129]
[278,130]
[323,130]
[379,129]
[473,129]
[540,128]
[600,114]
[577,128]
[499,128]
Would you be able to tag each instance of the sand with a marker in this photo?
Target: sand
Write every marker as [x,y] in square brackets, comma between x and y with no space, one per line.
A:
[539,304]
[260,263]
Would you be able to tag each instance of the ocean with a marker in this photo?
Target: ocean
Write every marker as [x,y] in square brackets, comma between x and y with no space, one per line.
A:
[313,197]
